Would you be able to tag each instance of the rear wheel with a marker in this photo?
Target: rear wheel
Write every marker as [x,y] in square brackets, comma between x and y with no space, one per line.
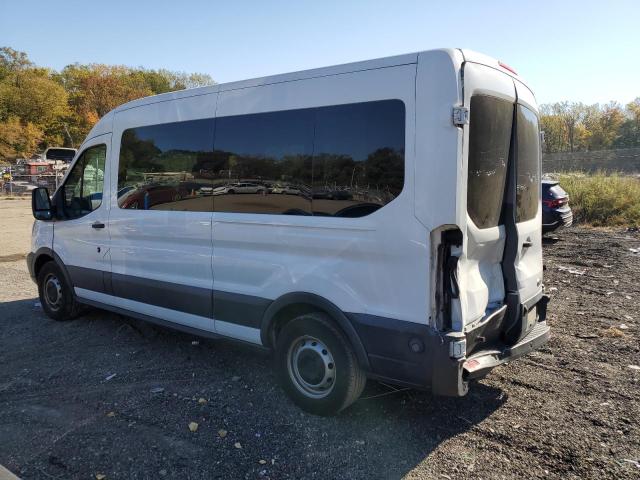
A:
[317,366]
[55,294]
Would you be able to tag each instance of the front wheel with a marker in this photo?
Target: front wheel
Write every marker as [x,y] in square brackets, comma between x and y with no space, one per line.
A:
[317,366]
[55,294]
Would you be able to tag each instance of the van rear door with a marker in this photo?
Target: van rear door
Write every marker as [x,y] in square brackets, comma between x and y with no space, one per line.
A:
[489,95]
[500,268]
[528,197]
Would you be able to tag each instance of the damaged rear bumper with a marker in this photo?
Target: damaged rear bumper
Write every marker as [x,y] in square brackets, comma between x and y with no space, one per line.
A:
[482,362]
[451,375]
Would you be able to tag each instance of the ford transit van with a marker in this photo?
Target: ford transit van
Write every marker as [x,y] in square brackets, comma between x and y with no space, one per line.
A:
[380,219]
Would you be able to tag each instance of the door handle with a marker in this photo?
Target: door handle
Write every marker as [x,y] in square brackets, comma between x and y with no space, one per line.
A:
[528,243]
[97,225]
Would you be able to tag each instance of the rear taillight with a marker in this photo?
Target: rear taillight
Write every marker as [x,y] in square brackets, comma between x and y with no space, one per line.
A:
[556,202]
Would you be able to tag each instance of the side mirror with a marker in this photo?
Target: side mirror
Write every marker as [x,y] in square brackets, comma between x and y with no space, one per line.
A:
[41,204]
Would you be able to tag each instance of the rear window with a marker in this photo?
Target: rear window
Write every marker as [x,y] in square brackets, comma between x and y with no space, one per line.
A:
[528,168]
[489,139]
[558,192]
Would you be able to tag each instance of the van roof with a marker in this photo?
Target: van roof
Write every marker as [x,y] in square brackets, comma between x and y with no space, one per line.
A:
[393,61]
[104,125]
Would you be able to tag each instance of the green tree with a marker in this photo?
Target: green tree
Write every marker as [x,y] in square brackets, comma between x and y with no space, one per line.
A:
[12,61]
[630,128]
[603,124]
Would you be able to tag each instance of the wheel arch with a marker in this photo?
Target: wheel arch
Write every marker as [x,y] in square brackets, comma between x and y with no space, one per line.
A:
[292,304]
[44,255]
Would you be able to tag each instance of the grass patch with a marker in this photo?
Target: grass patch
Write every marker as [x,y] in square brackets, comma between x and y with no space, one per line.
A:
[603,200]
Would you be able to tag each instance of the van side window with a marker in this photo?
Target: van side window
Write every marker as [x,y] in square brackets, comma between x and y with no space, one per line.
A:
[265,162]
[344,160]
[167,167]
[84,185]
[489,139]
[528,168]
[358,162]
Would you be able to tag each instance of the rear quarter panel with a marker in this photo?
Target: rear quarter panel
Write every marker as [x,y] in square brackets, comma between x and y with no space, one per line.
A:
[365,265]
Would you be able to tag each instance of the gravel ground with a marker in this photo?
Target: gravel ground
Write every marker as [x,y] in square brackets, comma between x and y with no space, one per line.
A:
[113,396]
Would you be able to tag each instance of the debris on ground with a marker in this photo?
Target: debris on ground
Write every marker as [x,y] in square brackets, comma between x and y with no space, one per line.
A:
[573,271]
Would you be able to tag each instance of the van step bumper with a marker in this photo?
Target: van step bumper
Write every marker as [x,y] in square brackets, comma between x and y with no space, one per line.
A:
[482,362]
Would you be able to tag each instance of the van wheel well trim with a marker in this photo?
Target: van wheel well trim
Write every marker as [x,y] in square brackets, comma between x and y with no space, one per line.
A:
[47,252]
[270,319]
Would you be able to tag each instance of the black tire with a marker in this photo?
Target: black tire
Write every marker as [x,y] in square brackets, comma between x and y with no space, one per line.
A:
[52,285]
[331,347]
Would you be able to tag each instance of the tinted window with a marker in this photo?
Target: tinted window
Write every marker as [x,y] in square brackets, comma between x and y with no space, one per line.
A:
[263,163]
[345,160]
[84,185]
[358,162]
[489,139]
[528,169]
[167,167]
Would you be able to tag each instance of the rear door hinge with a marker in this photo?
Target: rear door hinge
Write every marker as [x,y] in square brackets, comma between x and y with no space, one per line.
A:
[460,116]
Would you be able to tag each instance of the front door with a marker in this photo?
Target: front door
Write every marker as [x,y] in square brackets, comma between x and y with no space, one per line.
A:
[81,238]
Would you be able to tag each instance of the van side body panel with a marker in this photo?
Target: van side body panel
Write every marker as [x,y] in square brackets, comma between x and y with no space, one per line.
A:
[364,264]
[438,143]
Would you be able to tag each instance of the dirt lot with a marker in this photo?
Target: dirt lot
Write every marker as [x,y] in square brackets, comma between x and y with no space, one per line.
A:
[109,395]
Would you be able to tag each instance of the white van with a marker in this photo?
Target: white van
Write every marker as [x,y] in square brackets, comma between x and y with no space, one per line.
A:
[406,248]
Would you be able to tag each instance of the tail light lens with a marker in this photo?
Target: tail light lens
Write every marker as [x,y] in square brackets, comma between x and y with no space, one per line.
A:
[556,202]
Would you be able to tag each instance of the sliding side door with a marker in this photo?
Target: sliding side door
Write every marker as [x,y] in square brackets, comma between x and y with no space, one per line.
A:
[161,209]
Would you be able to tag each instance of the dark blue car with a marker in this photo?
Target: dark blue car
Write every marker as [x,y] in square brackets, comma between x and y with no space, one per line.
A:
[556,212]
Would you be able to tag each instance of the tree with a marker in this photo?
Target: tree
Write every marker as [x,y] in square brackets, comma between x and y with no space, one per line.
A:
[54,108]
[32,96]
[18,139]
[630,129]
[553,128]
[96,89]
[603,124]
[12,61]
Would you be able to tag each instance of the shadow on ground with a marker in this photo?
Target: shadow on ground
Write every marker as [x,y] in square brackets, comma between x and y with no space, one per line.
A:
[111,395]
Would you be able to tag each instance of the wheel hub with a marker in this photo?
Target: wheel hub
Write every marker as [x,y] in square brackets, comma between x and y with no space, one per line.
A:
[53,292]
[311,367]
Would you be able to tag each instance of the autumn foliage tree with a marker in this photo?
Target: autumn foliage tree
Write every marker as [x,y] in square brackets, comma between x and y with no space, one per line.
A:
[40,107]
[573,126]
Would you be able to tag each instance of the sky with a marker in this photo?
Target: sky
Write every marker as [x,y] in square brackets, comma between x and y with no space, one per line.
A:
[586,51]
